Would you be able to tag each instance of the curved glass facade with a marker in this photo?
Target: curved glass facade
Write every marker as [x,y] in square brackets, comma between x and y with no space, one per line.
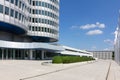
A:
[25,25]
[44,20]
[35,18]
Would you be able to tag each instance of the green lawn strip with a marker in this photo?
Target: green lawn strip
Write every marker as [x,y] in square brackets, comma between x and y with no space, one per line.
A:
[70,59]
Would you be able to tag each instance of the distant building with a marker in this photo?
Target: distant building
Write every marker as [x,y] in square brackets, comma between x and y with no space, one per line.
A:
[106,55]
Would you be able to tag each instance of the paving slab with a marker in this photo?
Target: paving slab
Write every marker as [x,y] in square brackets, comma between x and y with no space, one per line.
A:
[19,69]
[114,73]
[94,71]
[38,70]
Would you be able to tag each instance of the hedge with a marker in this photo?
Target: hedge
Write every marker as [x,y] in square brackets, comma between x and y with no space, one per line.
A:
[70,59]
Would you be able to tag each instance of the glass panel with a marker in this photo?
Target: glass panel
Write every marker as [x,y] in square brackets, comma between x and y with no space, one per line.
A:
[12,13]
[6,10]
[1,8]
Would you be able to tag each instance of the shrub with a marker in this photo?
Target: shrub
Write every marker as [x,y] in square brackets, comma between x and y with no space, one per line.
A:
[57,59]
[71,59]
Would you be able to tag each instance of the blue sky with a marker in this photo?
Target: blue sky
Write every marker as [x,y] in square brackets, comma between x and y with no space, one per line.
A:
[88,24]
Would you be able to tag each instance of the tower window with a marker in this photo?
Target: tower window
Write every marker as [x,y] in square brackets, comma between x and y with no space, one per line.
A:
[33,3]
[12,12]
[7,0]
[16,14]
[16,2]
[12,1]
[1,8]
[6,10]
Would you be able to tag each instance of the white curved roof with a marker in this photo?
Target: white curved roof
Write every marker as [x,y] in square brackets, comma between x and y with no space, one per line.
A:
[28,45]
[74,51]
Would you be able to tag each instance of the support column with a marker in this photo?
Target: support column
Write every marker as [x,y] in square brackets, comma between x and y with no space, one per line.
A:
[21,52]
[31,54]
[34,55]
[13,53]
[6,54]
[42,54]
[18,54]
[24,54]
[2,54]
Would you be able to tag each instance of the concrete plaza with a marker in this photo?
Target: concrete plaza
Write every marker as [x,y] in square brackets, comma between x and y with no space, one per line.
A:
[38,70]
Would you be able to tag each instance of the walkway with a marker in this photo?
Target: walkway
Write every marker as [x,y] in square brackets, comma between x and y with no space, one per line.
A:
[33,70]
[93,71]
[114,73]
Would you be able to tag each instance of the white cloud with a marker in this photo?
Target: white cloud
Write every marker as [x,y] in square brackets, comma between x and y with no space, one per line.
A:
[108,41]
[94,32]
[96,25]
[110,48]
[74,27]
[93,48]
[100,25]
[106,49]
[88,26]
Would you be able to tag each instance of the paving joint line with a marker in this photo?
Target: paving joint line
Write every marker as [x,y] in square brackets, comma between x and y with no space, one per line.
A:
[108,71]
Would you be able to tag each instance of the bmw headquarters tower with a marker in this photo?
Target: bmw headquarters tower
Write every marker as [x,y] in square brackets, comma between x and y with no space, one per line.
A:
[27,28]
